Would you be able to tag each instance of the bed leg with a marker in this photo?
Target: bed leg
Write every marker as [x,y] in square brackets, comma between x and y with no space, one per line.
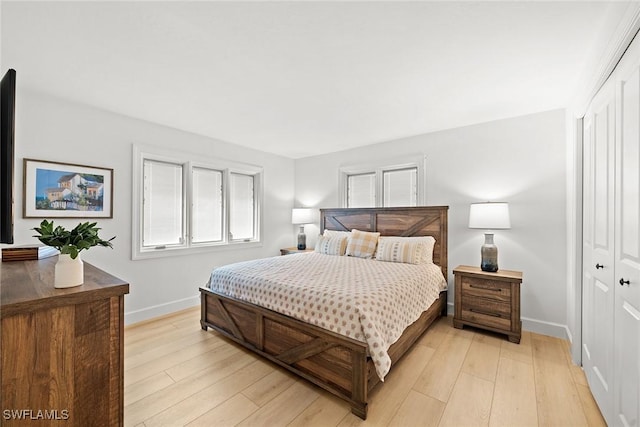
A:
[203,311]
[359,410]
[443,312]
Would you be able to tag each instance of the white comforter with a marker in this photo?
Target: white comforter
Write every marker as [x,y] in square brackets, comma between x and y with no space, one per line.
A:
[367,300]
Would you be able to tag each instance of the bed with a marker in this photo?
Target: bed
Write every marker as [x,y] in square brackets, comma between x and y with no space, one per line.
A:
[338,362]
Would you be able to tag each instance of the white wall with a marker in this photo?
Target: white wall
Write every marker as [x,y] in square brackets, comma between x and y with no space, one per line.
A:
[52,129]
[521,161]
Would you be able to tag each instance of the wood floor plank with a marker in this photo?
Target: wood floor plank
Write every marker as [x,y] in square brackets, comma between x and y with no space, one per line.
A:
[388,397]
[326,410]
[557,395]
[522,352]
[590,407]
[514,396]
[144,388]
[157,402]
[548,348]
[228,414]
[215,349]
[269,387]
[470,403]
[284,408]
[155,352]
[434,336]
[439,376]
[210,398]
[482,359]
[201,361]
[418,410]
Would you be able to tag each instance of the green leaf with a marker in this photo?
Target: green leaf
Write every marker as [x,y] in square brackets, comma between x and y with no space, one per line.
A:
[82,237]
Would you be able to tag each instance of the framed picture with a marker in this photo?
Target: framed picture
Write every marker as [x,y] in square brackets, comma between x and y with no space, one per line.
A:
[66,190]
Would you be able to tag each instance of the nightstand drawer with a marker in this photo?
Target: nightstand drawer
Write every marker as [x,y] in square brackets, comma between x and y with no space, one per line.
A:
[487,306]
[499,291]
[486,317]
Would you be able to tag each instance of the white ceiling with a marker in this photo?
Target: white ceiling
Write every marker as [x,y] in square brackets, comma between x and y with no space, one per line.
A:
[305,78]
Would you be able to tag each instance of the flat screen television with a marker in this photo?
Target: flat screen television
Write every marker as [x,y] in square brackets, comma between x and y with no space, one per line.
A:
[7,135]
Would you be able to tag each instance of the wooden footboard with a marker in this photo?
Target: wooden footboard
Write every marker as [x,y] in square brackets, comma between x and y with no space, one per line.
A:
[334,362]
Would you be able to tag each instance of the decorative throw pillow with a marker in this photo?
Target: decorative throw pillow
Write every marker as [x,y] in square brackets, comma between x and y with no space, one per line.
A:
[333,233]
[426,252]
[362,244]
[334,245]
[396,250]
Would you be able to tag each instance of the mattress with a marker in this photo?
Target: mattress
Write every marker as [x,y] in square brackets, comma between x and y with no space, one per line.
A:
[365,299]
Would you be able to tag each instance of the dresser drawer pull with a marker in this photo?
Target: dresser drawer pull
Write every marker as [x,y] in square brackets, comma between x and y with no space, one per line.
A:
[485,288]
[473,310]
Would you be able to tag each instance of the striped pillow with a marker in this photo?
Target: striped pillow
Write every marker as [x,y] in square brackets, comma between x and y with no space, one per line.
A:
[395,250]
[331,245]
[362,244]
[428,243]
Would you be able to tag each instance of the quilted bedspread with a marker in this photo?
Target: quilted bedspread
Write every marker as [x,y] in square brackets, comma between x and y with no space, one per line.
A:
[364,299]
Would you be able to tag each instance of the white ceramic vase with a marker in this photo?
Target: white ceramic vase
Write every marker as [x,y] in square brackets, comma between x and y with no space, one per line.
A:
[68,272]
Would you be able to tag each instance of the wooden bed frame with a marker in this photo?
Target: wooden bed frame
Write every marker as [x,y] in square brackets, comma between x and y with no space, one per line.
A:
[334,362]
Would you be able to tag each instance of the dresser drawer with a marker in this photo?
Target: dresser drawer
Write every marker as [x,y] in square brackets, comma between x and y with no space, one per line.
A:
[490,289]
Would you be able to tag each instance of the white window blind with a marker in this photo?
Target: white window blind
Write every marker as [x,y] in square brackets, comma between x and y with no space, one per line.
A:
[241,207]
[207,202]
[400,187]
[162,204]
[361,190]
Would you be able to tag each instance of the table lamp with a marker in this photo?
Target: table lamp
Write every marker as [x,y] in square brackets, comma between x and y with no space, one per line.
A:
[489,216]
[302,216]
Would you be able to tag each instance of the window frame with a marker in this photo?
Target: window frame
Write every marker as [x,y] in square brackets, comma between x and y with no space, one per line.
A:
[417,162]
[188,162]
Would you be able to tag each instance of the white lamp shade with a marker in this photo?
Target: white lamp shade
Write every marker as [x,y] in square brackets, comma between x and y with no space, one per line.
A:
[489,216]
[302,216]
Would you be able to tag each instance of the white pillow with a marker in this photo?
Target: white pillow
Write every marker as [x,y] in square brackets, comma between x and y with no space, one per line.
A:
[331,245]
[425,253]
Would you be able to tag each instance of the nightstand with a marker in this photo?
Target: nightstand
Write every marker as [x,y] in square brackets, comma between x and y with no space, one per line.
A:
[488,300]
[294,250]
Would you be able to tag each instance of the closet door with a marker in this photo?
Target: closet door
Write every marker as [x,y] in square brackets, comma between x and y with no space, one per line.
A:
[598,274]
[627,236]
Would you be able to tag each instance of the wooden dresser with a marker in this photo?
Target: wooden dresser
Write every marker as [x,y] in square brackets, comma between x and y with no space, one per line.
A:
[62,349]
[488,300]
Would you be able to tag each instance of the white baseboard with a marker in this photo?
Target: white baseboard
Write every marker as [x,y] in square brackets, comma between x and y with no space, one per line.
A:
[545,328]
[538,326]
[160,310]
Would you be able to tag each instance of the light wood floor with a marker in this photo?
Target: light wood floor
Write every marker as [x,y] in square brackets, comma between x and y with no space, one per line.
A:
[176,374]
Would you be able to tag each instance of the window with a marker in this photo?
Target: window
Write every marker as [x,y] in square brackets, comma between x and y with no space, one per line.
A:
[400,187]
[163,208]
[401,184]
[208,206]
[183,206]
[361,190]
[241,221]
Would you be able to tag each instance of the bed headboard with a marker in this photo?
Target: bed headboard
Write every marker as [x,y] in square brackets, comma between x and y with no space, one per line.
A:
[406,222]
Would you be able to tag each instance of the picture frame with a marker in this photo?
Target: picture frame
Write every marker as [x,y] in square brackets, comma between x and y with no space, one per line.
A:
[66,190]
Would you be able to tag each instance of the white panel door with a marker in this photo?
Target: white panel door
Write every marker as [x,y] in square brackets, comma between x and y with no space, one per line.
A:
[627,237]
[599,268]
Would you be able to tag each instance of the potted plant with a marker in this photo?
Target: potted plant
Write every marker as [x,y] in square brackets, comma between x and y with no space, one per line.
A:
[69,270]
